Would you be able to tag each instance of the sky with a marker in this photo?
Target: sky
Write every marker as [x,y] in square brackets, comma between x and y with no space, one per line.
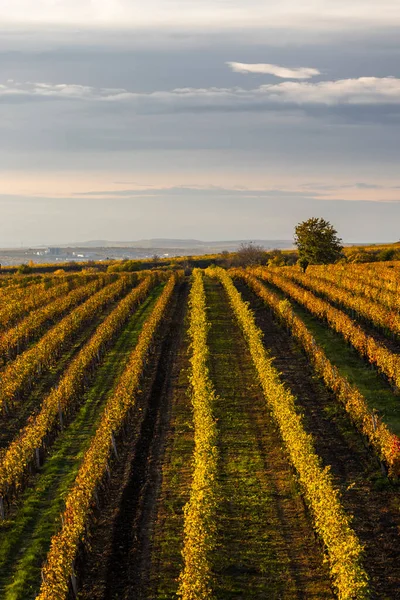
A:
[213,120]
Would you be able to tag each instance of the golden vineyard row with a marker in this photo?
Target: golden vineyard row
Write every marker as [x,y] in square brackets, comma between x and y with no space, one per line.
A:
[385,273]
[18,377]
[376,353]
[11,286]
[15,459]
[331,522]
[14,306]
[64,545]
[385,443]
[379,315]
[200,511]
[360,286]
[14,340]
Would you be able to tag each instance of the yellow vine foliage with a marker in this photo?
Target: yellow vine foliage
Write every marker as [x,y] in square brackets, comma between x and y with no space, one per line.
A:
[380,274]
[15,459]
[15,338]
[19,375]
[20,301]
[375,352]
[359,283]
[199,513]
[331,522]
[385,443]
[59,565]
[378,314]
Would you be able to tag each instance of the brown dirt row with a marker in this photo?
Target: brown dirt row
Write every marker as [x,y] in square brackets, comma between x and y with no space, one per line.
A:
[373,502]
[266,545]
[122,559]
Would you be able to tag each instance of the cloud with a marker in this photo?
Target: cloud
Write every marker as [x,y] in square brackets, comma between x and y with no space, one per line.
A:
[276,70]
[188,191]
[39,90]
[345,192]
[359,91]
[361,98]
[315,14]
[255,218]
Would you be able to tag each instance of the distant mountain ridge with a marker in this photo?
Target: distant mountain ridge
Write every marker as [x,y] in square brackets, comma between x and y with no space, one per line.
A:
[177,243]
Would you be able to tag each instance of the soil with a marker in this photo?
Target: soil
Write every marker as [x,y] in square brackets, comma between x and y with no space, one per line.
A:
[118,563]
[266,545]
[365,494]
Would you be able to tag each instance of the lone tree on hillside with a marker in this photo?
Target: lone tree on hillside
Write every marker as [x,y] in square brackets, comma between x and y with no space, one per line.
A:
[317,243]
[249,254]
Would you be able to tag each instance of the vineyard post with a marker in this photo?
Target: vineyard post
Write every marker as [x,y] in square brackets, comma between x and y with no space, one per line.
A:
[114,445]
[382,464]
[60,415]
[2,511]
[73,580]
[37,457]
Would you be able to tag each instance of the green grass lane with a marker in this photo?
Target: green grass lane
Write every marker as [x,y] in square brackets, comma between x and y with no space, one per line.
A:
[25,540]
[177,471]
[376,390]
[266,546]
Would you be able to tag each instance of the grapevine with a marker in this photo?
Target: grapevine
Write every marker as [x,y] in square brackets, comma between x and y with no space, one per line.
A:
[343,547]
[64,545]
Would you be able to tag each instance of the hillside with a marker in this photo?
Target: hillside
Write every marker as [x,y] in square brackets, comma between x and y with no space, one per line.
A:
[224,433]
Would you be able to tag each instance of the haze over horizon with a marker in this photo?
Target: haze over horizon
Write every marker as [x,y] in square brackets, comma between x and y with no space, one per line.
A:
[198,119]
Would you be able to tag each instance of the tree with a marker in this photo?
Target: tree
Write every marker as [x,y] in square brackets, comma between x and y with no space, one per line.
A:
[24,269]
[249,254]
[276,258]
[317,243]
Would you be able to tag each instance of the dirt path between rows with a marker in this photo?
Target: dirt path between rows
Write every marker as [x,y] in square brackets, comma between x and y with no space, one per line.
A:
[267,548]
[34,518]
[375,506]
[121,563]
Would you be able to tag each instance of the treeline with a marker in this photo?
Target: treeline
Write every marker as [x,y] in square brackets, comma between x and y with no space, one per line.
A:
[250,255]
[246,255]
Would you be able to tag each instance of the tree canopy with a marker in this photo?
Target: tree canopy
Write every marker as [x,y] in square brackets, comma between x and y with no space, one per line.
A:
[317,242]
[250,254]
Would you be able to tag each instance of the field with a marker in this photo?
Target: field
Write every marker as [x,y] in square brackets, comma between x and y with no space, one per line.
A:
[215,434]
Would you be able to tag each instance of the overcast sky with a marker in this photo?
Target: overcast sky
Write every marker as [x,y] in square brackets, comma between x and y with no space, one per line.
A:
[204,119]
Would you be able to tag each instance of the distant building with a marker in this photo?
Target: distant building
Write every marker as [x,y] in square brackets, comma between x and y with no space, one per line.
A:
[54,251]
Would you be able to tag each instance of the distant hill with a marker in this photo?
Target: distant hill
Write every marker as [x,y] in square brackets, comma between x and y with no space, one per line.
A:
[184,244]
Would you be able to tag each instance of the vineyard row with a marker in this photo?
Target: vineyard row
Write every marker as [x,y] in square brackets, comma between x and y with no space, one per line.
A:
[385,443]
[63,399]
[59,568]
[200,511]
[331,522]
[375,352]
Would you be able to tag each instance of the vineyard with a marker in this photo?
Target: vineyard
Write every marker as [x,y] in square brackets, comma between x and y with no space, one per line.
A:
[218,434]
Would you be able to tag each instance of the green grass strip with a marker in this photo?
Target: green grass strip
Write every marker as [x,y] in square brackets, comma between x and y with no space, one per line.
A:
[25,541]
[58,567]
[332,523]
